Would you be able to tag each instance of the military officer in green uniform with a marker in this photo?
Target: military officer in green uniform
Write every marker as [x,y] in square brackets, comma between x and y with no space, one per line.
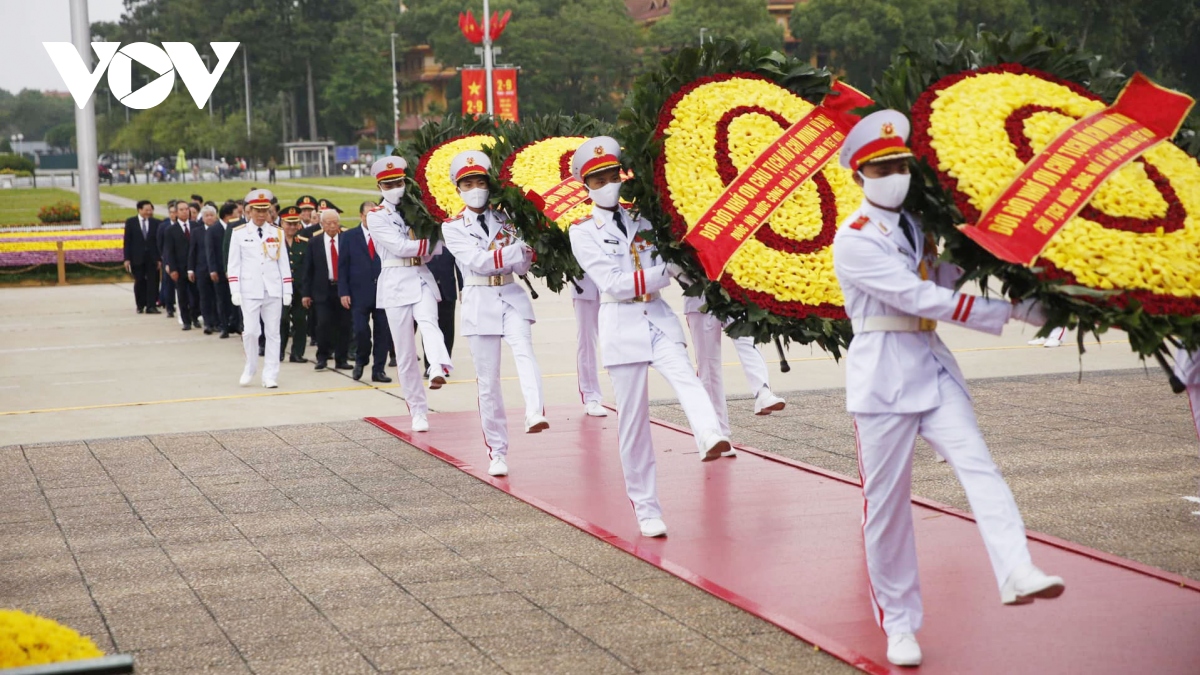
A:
[295,316]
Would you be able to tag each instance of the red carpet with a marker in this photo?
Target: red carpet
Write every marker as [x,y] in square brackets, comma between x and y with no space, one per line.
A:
[782,540]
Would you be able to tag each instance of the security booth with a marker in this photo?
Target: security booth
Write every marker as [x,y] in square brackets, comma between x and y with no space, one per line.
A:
[313,157]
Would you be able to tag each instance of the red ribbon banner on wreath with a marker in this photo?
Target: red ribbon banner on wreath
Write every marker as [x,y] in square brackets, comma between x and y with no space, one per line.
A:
[748,202]
[1061,179]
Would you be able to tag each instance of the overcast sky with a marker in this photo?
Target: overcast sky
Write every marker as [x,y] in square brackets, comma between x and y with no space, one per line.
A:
[25,25]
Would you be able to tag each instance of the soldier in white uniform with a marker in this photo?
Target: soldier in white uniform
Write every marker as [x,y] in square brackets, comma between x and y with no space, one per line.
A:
[490,255]
[585,298]
[707,331]
[638,329]
[407,292]
[901,381]
[260,282]
[1187,369]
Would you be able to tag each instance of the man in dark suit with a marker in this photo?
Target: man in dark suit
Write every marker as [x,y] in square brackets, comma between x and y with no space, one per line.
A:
[175,256]
[449,279]
[236,325]
[166,294]
[141,256]
[321,292]
[199,271]
[358,276]
[216,268]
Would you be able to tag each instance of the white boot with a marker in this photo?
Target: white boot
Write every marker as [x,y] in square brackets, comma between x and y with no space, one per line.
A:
[420,423]
[903,650]
[247,375]
[498,467]
[594,409]
[1028,582]
[714,445]
[535,424]
[653,527]
[766,402]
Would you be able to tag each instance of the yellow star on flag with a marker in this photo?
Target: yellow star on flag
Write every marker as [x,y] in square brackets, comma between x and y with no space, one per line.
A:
[475,89]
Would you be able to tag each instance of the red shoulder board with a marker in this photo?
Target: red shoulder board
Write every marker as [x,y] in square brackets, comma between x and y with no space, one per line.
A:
[377,207]
[860,222]
[581,220]
[451,220]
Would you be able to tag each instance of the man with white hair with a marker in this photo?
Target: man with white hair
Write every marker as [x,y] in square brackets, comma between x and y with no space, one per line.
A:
[407,291]
[260,282]
[199,271]
[321,292]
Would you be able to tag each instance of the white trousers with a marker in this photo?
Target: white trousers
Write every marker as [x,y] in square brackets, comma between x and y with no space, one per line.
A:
[1193,393]
[425,313]
[269,310]
[670,359]
[485,351]
[885,451]
[587,332]
[408,364]
[706,332]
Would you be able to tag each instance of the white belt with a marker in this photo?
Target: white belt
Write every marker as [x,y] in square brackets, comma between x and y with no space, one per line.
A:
[892,324]
[495,280]
[605,298]
[403,262]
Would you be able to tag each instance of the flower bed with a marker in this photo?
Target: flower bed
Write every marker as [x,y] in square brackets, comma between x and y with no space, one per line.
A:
[29,640]
[21,249]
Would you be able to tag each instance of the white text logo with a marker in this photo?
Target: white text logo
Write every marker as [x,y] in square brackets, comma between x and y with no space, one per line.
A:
[118,61]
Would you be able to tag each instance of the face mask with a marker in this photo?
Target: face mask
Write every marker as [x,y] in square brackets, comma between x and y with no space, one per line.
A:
[475,198]
[606,197]
[393,196]
[888,192]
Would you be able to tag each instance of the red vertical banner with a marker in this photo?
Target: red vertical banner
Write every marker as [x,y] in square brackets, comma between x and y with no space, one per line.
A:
[504,91]
[474,91]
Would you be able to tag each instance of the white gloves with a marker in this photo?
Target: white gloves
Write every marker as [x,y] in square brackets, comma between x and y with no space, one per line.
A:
[1030,311]
[674,270]
[287,299]
[237,299]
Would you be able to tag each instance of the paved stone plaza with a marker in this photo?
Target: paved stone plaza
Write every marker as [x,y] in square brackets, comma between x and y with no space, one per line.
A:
[333,547]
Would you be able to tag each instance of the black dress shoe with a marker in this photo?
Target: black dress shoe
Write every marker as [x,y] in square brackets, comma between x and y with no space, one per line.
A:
[392,362]
[188,326]
[320,365]
[152,310]
[357,374]
[224,335]
[195,323]
[342,365]
[141,310]
[297,359]
[170,314]
[208,331]
[380,377]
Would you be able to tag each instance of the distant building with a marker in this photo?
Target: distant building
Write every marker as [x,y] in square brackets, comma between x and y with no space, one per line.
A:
[647,12]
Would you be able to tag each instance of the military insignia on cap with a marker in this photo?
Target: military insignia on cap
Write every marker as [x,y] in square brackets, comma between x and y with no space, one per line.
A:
[262,195]
[470,161]
[888,130]
[598,151]
[391,165]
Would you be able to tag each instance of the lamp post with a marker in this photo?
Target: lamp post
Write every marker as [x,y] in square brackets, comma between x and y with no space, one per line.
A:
[702,32]
[17,139]
[395,98]
[487,55]
[211,150]
[85,124]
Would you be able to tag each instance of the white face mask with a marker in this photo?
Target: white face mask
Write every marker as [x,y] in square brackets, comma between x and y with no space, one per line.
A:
[887,192]
[606,197]
[475,198]
[393,196]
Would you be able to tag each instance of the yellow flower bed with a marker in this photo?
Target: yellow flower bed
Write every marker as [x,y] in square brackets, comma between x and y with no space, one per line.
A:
[433,175]
[968,129]
[693,177]
[538,167]
[30,640]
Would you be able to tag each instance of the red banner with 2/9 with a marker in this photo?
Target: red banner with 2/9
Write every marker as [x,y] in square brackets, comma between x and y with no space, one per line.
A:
[504,92]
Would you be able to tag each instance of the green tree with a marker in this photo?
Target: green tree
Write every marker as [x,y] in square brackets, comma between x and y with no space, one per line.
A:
[737,19]
[61,136]
[360,79]
[858,37]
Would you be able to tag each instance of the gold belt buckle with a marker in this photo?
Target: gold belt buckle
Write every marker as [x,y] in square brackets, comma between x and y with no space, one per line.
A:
[927,325]
[412,262]
[496,280]
[642,298]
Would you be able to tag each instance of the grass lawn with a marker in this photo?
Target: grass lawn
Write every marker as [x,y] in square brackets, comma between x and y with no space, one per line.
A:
[364,183]
[161,193]
[20,206]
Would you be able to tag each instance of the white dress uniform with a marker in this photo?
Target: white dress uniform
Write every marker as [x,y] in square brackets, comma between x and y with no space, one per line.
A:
[260,278]
[586,301]
[638,330]
[707,331]
[1187,369]
[901,381]
[407,292]
[494,308]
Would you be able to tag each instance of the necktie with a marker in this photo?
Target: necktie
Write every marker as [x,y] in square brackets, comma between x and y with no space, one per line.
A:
[187,231]
[260,232]
[907,226]
[620,225]
[371,248]
[145,229]
[333,257]
[483,224]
